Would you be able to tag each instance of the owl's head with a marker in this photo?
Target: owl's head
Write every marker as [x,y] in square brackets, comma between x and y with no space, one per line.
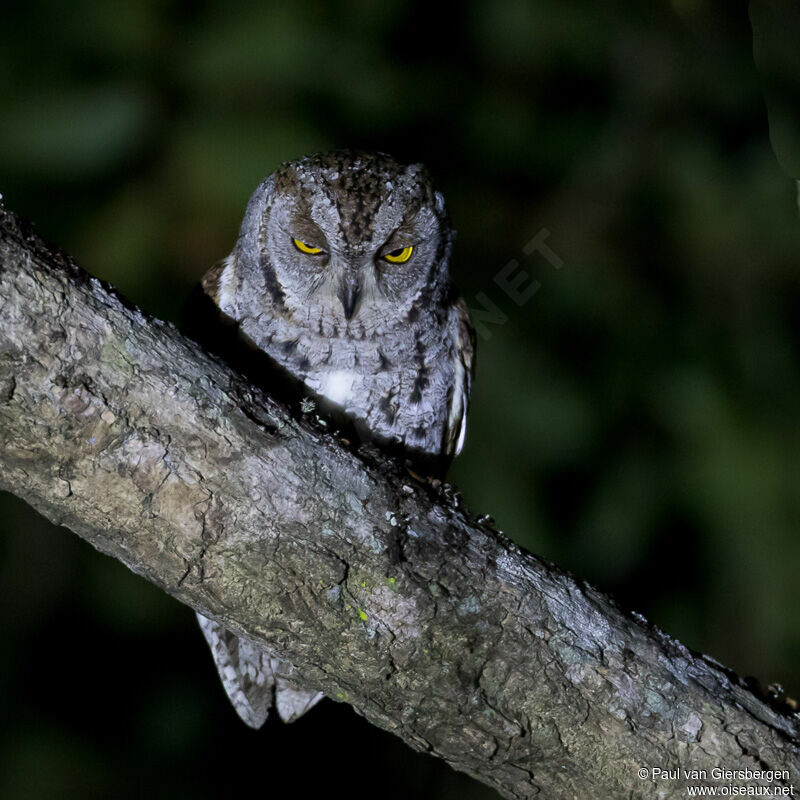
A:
[345,243]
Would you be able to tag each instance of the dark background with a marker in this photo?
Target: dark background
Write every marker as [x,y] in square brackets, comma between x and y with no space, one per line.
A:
[635,421]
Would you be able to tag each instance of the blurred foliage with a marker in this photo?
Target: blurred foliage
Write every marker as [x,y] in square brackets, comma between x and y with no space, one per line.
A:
[635,422]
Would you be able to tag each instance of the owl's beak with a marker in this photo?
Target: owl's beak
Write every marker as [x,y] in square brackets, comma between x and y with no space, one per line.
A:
[349,295]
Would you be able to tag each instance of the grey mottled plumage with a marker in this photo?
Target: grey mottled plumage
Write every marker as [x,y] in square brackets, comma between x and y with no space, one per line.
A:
[340,275]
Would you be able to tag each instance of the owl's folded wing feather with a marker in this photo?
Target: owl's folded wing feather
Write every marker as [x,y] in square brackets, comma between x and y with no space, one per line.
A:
[245,671]
[216,282]
[251,677]
[464,357]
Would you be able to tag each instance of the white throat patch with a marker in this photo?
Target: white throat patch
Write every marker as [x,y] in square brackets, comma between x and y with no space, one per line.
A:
[337,386]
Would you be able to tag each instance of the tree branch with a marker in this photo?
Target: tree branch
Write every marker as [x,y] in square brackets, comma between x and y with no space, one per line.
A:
[382,593]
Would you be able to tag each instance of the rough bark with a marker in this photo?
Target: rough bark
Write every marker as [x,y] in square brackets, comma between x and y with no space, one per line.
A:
[383,593]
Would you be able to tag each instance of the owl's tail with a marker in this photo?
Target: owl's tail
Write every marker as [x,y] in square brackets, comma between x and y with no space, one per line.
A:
[250,677]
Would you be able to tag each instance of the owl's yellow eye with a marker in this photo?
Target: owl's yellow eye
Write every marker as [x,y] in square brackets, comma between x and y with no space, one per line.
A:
[306,248]
[399,256]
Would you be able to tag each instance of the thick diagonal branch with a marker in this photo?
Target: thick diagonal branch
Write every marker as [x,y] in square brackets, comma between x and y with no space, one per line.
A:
[382,594]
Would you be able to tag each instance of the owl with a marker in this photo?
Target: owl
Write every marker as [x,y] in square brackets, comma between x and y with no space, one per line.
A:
[340,277]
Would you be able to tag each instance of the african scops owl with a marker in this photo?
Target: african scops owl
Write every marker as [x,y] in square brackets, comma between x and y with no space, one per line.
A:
[340,276]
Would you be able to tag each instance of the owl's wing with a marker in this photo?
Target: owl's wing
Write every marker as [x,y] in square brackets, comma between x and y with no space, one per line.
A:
[245,671]
[249,676]
[210,281]
[215,283]
[464,356]
[292,702]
